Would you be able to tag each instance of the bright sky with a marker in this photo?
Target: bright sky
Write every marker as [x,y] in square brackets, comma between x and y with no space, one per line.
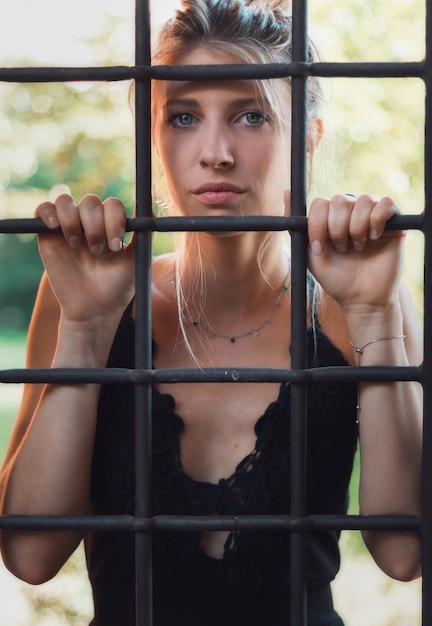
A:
[50,32]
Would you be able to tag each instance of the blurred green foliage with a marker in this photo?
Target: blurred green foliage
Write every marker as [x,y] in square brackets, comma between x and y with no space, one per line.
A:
[79,137]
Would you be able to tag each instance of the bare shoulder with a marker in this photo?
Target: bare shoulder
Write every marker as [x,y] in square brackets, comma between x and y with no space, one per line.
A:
[163,283]
[163,268]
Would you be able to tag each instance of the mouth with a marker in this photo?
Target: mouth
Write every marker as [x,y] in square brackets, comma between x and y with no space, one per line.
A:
[218,193]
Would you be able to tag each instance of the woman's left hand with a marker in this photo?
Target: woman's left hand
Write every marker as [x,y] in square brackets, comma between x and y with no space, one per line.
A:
[355,260]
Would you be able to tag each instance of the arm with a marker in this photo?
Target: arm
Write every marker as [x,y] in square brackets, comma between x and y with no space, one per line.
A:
[358,264]
[47,466]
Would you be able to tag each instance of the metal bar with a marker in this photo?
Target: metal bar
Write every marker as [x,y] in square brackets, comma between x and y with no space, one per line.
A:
[427,363]
[302,376]
[298,413]
[143,324]
[109,523]
[206,223]
[215,72]
[143,376]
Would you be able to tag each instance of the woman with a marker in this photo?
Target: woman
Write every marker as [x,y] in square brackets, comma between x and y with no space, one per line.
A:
[222,300]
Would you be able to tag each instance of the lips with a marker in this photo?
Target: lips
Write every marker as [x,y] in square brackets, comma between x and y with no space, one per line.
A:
[218,193]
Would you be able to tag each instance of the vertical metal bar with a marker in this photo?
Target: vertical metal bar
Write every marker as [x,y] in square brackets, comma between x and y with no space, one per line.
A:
[427,364]
[298,317]
[143,344]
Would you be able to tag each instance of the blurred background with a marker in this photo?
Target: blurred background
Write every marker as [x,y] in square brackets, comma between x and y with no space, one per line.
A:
[79,138]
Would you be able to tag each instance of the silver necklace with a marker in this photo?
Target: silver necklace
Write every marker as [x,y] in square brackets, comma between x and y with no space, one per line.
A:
[197,322]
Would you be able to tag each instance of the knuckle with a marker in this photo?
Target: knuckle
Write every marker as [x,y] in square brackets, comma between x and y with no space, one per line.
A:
[113,201]
[44,208]
[387,201]
[64,198]
[339,197]
[338,234]
[366,198]
[358,232]
[90,202]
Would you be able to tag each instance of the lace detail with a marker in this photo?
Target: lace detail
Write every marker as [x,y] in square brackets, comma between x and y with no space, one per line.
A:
[259,485]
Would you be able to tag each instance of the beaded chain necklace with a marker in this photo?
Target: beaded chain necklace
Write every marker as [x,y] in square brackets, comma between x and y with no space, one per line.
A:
[197,322]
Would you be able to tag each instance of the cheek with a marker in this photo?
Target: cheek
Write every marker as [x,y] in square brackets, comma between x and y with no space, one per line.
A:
[167,160]
[173,175]
[173,154]
[274,170]
[273,163]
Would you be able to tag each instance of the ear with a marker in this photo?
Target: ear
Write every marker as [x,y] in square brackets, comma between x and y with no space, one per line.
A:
[316,131]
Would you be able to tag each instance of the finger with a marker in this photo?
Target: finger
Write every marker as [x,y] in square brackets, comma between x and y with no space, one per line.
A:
[47,212]
[68,216]
[92,218]
[382,212]
[115,223]
[359,226]
[340,209]
[318,225]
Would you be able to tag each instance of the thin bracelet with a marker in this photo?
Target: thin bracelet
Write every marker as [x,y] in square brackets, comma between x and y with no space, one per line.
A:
[359,351]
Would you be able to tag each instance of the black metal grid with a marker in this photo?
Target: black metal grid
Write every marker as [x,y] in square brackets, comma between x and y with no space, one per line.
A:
[143,376]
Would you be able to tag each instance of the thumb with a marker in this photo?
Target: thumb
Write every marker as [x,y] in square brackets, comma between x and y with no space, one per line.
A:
[131,244]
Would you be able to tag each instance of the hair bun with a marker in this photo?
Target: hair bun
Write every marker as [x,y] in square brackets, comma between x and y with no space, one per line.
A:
[281,5]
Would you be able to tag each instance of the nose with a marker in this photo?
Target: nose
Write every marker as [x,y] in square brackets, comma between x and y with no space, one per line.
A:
[216,147]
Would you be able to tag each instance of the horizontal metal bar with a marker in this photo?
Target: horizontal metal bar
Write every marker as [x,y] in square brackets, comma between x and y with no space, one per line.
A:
[213,375]
[413,69]
[218,522]
[283,70]
[207,224]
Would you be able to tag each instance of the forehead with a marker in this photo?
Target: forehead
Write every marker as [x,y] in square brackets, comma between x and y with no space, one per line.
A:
[204,56]
[273,95]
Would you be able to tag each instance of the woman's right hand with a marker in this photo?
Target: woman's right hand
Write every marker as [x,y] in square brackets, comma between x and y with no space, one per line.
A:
[90,271]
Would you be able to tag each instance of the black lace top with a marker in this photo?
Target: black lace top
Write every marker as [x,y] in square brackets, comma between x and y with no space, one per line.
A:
[254,572]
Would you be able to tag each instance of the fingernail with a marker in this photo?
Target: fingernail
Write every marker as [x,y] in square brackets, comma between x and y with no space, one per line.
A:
[373,234]
[53,221]
[116,244]
[97,249]
[316,248]
[358,245]
[74,242]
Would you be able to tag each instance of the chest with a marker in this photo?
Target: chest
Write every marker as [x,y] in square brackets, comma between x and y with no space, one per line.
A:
[219,418]
[206,429]
[219,425]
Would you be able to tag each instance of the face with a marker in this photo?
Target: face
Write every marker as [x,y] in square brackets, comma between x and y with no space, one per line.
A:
[221,150]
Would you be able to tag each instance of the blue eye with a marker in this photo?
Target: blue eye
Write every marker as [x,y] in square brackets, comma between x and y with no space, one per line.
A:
[181,120]
[255,118]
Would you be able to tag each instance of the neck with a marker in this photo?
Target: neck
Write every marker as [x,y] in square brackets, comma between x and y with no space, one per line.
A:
[231,273]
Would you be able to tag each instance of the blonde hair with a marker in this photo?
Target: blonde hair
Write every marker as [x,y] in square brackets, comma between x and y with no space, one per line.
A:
[251,32]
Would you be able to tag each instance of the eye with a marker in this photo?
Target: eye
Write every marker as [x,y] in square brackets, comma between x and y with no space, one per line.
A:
[181,119]
[255,118]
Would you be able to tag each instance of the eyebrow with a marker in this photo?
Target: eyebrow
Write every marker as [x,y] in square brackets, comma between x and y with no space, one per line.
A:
[191,102]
